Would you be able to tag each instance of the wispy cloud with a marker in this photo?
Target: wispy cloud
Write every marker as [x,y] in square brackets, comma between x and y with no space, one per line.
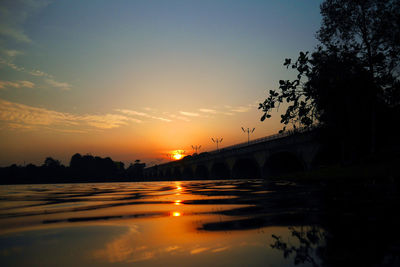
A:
[25,117]
[107,121]
[132,112]
[49,79]
[39,73]
[226,110]
[171,248]
[220,249]
[14,33]
[207,110]
[241,109]
[182,118]
[61,85]
[190,114]
[69,130]
[20,126]
[142,114]
[13,16]
[198,250]
[162,119]
[16,84]
[28,116]
[11,65]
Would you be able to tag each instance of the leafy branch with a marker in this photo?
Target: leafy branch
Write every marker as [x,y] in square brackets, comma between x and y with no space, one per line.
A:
[301,109]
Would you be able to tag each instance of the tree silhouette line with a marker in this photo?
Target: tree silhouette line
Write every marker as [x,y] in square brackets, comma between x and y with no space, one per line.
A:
[350,84]
[82,168]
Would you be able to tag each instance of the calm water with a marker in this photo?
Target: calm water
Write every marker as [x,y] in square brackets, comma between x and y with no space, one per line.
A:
[195,223]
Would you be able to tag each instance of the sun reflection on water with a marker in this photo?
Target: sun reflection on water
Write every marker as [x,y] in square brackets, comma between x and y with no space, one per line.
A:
[178,186]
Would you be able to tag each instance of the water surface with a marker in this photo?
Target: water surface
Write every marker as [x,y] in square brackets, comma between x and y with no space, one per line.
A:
[188,223]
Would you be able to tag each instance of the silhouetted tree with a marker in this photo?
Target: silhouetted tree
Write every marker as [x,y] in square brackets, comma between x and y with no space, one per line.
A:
[52,163]
[51,171]
[352,80]
[135,170]
[370,29]
[90,168]
[85,168]
[75,161]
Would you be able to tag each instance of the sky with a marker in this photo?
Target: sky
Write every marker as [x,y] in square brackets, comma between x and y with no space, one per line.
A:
[141,79]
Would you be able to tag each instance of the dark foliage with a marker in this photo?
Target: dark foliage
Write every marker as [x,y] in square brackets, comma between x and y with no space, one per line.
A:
[308,242]
[350,85]
[135,170]
[85,168]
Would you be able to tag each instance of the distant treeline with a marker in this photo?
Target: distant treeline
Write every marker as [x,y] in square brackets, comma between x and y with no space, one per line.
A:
[85,168]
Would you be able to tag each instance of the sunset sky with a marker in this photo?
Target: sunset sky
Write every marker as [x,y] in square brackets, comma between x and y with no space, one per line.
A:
[139,79]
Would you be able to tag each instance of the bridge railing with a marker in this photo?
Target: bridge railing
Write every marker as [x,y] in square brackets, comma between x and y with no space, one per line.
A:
[260,140]
[263,139]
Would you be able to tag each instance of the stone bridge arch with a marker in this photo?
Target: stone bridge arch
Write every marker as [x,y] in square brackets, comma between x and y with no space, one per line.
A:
[220,170]
[168,173]
[201,172]
[283,162]
[246,167]
[187,172]
[176,172]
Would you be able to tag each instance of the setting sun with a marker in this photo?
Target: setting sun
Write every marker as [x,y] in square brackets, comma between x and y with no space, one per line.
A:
[177,156]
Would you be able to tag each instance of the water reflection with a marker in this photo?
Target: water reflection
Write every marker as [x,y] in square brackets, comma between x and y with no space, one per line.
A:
[146,223]
[355,224]
[232,223]
[306,245]
[178,186]
[123,249]
[176,213]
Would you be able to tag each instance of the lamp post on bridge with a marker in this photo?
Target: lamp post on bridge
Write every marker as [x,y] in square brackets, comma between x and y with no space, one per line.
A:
[217,141]
[196,147]
[248,131]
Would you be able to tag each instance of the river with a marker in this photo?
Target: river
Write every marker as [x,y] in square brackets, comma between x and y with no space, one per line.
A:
[185,223]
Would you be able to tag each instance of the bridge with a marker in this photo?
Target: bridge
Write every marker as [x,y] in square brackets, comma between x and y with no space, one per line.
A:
[260,158]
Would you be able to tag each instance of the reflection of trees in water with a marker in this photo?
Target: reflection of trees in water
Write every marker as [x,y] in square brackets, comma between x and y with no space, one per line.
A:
[345,242]
[307,245]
